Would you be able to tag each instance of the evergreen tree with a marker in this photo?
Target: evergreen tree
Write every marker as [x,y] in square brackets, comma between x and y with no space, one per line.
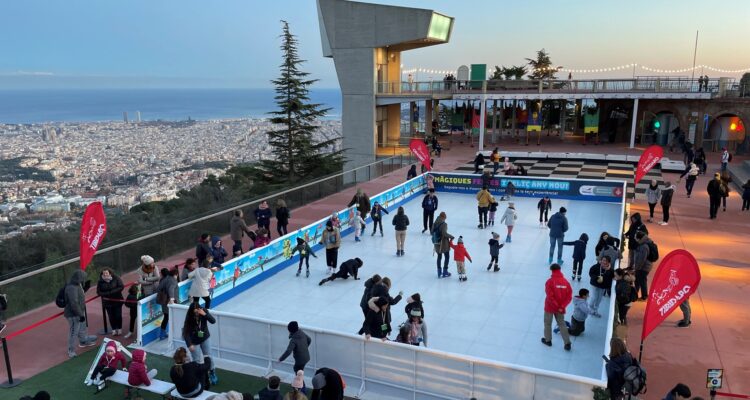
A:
[541,67]
[296,155]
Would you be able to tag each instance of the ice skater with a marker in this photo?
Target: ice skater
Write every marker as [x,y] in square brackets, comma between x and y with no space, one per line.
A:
[377,218]
[509,219]
[544,206]
[348,268]
[357,223]
[493,210]
[305,251]
[331,239]
[495,247]
[460,254]
[579,254]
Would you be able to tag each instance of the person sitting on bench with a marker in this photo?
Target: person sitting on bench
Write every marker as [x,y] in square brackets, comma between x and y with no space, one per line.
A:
[107,364]
[188,377]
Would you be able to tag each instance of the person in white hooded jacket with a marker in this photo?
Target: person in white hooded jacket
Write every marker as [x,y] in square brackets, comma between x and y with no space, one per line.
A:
[509,219]
[201,277]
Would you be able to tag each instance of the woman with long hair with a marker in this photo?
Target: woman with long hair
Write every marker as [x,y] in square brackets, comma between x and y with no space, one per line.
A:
[196,335]
[109,288]
[188,377]
[400,222]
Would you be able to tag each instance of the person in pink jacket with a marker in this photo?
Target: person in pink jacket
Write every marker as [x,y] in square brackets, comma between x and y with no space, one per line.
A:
[559,294]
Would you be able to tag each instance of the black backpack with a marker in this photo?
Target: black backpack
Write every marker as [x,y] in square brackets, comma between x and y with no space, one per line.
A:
[653,251]
[60,300]
[635,379]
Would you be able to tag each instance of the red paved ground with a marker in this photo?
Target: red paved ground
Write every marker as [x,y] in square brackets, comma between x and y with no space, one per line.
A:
[721,317]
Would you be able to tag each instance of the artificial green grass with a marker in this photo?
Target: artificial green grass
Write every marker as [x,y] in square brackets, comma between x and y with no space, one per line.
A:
[65,381]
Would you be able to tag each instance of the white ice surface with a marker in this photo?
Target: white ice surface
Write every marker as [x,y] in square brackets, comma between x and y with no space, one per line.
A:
[496,316]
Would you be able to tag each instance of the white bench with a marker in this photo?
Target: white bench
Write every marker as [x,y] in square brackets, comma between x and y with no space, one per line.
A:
[161,388]
[203,396]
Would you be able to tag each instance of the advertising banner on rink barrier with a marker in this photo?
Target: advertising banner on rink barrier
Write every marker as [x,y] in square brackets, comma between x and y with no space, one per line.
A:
[251,268]
[525,186]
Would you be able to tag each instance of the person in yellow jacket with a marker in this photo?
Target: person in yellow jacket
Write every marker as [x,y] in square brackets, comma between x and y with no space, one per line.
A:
[484,199]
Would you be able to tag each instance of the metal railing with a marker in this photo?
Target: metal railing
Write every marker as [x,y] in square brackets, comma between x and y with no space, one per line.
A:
[39,284]
[637,85]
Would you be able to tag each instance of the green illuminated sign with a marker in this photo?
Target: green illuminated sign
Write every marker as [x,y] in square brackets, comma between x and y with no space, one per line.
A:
[440,27]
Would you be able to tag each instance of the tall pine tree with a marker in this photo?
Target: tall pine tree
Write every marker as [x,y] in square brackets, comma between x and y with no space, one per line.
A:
[296,154]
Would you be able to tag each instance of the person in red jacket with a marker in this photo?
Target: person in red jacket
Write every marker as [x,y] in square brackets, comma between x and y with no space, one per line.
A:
[559,294]
[107,364]
[460,255]
[137,374]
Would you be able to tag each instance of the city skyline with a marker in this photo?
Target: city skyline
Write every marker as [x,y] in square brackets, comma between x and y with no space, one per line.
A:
[235,44]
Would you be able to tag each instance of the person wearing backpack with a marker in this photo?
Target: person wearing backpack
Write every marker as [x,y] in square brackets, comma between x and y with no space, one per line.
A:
[74,302]
[619,361]
[441,242]
[645,255]
[429,205]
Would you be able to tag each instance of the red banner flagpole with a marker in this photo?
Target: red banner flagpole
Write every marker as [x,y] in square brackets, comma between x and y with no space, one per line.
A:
[419,148]
[650,157]
[93,230]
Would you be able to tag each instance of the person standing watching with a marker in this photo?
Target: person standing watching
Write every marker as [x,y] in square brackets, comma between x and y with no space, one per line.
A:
[75,313]
[263,217]
[714,195]
[666,202]
[238,228]
[429,205]
[109,288]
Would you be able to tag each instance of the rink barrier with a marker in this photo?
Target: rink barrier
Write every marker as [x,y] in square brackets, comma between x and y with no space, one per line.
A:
[383,369]
[262,263]
[529,186]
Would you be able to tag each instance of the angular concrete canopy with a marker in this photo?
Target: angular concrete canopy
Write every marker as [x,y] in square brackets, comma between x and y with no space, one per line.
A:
[351,33]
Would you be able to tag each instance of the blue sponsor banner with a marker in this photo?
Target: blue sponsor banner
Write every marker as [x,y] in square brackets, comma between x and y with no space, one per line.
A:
[253,267]
[559,188]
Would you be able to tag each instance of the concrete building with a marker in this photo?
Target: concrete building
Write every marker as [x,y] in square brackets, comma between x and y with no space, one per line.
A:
[366,42]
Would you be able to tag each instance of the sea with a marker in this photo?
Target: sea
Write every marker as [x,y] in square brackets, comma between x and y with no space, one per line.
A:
[87,105]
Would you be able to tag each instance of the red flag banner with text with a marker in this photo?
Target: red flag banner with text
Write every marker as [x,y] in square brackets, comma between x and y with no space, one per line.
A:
[675,280]
[420,151]
[650,157]
[93,230]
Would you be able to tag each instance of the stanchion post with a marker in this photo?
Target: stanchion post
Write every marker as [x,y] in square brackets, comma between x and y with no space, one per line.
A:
[104,331]
[11,382]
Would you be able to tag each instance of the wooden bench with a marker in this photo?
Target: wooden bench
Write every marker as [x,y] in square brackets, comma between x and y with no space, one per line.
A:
[161,388]
[203,396]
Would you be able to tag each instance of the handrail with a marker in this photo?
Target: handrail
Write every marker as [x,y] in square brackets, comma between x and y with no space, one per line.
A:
[184,224]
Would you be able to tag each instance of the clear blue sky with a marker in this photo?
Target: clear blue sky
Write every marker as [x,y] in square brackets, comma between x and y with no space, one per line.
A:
[234,43]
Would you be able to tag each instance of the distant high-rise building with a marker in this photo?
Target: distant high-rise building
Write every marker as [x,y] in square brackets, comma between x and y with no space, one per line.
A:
[137,116]
[125,116]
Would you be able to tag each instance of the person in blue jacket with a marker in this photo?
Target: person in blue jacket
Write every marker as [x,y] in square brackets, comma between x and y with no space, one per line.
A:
[558,225]
[377,217]
[429,205]
[263,217]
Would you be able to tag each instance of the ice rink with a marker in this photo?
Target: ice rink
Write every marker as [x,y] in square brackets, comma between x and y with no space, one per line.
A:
[494,315]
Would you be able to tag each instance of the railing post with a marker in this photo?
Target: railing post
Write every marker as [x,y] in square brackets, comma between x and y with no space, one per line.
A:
[11,382]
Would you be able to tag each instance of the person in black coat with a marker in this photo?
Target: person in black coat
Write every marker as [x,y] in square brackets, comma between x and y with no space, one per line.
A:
[619,360]
[412,172]
[263,216]
[369,284]
[377,324]
[544,206]
[601,275]
[414,306]
[714,195]
[636,225]
[189,378]
[203,248]
[327,385]
[109,288]
[478,162]
[347,268]
[579,254]
[282,217]
[382,290]
[429,205]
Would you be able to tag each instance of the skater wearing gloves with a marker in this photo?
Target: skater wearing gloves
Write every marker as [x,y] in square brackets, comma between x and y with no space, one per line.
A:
[495,247]
[509,219]
[460,255]
[544,206]
[305,251]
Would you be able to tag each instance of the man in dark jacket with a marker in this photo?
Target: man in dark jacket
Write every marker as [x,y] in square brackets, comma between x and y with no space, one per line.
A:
[168,286]
[714,195]
[362,202]
[298,347]
[237,229]
[203,248]
[347,268]
[75,313]
[429,205]
[636,225]
[601,275]
[558,225]
[272,391]
[327,385]
[369,284]
[642,265]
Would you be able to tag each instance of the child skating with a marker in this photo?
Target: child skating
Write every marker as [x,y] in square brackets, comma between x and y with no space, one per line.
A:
[493,210]
[357,223]
[579,254]
[509,219]
[305,251]
[460,255]
[495,247]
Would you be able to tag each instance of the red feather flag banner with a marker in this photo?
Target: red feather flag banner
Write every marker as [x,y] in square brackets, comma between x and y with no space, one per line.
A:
[675,280]
[650,157]
[93,230]
[420,151]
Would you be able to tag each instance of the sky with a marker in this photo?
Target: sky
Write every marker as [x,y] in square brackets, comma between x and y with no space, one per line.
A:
[234,43]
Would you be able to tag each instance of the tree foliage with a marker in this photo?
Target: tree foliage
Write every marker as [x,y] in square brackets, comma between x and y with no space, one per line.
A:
[541,66]
[296,154]
[507,73]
